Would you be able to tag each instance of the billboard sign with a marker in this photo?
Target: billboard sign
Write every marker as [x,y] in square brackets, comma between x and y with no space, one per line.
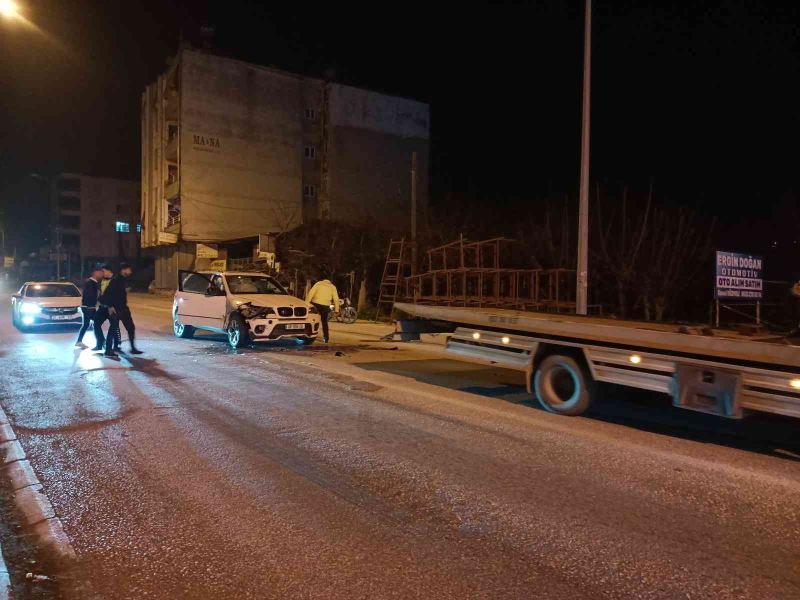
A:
[207,251]
[739,277]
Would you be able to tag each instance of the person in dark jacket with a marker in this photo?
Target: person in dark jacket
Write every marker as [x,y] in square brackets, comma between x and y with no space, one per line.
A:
[91,291]
[101,316]
[116,298]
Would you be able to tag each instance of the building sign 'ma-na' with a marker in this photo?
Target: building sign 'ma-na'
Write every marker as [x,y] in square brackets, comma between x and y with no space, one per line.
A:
[206,143]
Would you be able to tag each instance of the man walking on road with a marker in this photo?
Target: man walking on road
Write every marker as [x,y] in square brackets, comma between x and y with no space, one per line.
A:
[91,291]
[101,315]
[323,295]
[116,298]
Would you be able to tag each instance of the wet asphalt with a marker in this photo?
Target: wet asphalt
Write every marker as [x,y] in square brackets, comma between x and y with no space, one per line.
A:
[195,471]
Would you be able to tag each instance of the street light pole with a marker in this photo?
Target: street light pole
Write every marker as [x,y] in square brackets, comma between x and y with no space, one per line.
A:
[582,284]
[413,213]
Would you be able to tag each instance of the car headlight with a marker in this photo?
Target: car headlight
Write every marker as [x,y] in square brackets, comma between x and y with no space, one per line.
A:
[254,312]
[29,308]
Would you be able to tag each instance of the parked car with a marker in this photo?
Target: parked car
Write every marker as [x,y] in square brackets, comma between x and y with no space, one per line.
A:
[247,307]
[39,303]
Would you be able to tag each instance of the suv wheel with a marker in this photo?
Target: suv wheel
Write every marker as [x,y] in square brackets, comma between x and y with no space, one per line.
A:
[237,331]
[182,331]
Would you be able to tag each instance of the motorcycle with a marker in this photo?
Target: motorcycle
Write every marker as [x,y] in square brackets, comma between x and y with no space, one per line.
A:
[347,313]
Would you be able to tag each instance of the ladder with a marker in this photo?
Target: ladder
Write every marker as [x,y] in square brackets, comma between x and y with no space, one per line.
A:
[393,274]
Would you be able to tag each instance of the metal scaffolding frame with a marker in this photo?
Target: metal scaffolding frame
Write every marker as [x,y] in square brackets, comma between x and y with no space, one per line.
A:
[467,273]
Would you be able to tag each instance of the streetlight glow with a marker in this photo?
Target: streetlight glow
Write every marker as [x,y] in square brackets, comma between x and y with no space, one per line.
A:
[8,8]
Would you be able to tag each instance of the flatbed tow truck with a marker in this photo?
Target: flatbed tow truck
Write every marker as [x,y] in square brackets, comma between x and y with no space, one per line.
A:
[712,371]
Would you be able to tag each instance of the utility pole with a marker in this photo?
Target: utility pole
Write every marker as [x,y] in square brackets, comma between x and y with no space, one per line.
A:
[582,283]
[413,213]
[58,253]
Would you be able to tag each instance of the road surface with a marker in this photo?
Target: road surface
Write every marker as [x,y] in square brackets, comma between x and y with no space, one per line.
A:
[195,471]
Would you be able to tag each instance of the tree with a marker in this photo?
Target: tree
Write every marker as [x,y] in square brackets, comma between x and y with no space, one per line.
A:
[619,243]
[676,250]
[331,250]
[650,255]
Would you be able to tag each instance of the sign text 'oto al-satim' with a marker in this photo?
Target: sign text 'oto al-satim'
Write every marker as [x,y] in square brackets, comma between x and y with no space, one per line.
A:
[738,276]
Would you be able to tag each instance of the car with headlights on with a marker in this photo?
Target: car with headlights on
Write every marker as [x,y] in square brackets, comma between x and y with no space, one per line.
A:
[245,306]
[39,303]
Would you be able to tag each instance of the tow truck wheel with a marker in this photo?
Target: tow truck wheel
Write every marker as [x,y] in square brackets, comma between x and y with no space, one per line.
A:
[237,332]
[562,385]
[182,331]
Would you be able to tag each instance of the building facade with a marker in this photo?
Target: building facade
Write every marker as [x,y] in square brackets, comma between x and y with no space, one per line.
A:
[232,150]
[94,219]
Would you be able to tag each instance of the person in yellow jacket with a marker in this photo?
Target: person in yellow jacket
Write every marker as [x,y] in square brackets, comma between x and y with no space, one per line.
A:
[323,295]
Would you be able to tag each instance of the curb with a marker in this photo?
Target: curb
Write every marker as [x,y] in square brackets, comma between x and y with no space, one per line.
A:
[38,515]
[5,579]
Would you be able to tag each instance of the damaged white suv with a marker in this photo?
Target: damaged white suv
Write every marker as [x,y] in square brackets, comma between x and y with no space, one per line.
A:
[247,307]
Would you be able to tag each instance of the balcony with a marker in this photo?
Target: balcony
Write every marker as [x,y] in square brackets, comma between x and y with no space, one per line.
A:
[171,189]
[171,150]
[173,215]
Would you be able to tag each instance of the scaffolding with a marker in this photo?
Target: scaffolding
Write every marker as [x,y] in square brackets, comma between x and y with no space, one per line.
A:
[466,273]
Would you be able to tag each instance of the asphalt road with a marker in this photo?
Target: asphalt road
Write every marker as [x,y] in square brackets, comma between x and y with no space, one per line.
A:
[195,471]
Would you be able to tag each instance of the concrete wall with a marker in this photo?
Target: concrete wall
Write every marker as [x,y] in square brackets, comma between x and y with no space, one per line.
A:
[168,260]
[103,203]
[370,177]
[370,141]
[241,149]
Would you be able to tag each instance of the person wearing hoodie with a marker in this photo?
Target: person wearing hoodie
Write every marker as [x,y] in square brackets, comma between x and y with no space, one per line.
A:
[323,296]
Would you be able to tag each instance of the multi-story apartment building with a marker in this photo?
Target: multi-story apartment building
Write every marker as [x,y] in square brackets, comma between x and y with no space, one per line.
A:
[232,150]
[94,219]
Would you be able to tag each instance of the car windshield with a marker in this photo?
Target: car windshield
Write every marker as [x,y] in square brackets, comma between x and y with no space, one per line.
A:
[253,284]
[52,290]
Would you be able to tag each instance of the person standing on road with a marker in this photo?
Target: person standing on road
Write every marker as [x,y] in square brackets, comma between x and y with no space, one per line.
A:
[91,291]
[323,296]
[126,318]
[101,315]
[116,298]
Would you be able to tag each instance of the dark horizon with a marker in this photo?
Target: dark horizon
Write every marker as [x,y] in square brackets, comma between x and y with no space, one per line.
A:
[700,99]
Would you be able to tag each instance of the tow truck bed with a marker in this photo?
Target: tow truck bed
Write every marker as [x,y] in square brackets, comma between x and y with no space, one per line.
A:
[720,373]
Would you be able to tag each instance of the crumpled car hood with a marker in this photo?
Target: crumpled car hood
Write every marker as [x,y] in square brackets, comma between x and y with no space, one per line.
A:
[267,300]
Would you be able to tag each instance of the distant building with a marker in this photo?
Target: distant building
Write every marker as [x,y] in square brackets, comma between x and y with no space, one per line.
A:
[231,150]
[94,219]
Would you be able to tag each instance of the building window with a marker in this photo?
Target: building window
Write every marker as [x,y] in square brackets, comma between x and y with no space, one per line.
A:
[69,184]
[69,202]
[309,191]
[123,227]
[310,152]
[69,221]
[70,240]
[310,114]
[138,228]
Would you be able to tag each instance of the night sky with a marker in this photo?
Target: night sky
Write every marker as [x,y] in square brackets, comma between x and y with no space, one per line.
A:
[702,96]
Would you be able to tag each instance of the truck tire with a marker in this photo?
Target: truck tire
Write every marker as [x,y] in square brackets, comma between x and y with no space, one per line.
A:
[563,386]
[238,336]
[182,331]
